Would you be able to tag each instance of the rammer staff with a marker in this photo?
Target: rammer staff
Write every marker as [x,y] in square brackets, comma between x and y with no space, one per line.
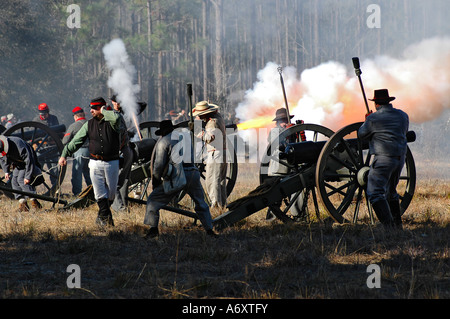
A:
[191,121]
[280,70]
[358,74]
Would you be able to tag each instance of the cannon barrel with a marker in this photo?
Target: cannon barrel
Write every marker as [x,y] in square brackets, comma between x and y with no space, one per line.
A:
[308,152]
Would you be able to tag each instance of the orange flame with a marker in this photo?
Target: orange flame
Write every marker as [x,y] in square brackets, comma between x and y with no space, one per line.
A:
[259,122]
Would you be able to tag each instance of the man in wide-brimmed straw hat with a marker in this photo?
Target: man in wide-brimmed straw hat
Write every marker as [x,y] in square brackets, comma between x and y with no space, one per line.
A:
[386,131]
[214,137]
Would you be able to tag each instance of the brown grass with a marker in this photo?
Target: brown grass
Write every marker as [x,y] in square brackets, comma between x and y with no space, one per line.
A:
[254,259]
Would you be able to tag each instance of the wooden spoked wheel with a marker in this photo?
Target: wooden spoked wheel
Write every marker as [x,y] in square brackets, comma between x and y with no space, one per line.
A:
[341,176]
[294,207]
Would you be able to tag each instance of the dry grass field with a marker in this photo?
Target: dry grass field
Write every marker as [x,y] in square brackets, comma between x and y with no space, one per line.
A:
[253,259]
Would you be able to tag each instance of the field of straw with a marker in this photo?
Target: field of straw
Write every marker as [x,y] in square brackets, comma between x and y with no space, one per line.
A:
[254,259]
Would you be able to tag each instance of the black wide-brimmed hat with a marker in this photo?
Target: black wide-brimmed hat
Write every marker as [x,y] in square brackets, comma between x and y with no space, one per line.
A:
[382,96]
[281,114]
[165,127]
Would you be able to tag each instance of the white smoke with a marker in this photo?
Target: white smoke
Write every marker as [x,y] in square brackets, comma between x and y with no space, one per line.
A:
[122,75]
[330,95]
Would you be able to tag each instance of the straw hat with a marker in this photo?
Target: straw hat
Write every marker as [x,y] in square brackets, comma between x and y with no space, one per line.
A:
[204,107]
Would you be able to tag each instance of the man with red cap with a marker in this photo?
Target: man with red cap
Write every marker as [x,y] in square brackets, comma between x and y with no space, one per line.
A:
[80,161]
[104,145]
[386,132]
[45,117]
[50,120]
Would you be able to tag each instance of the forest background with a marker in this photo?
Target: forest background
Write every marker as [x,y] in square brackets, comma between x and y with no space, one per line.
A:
[219,46]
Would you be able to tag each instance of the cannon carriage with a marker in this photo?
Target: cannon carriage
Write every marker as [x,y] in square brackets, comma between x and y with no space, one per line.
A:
[329,167]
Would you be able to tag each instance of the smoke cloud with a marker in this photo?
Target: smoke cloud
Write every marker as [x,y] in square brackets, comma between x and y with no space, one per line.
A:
[329,94]
[122,75]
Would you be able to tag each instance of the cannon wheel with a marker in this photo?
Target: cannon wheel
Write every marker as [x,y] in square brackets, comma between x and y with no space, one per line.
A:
[48,147]
[148,131]
[298,201]
[341,176]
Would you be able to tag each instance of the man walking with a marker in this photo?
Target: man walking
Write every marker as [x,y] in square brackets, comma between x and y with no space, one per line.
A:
[162,158]
[80,161]
[103,134]
[386,131]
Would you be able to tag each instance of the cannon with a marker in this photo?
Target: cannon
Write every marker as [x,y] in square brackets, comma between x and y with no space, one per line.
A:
[148,129]
[331,167]
[46,141]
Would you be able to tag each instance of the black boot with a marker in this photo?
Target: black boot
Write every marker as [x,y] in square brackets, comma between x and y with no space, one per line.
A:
[212,233]
[104,217]
[152,232]
[394,205]
[383,213]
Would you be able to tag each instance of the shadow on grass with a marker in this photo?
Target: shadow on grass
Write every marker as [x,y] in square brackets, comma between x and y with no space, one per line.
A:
[247,261]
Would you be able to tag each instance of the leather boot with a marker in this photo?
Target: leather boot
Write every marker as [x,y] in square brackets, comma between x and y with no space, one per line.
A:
[152,232]
[104,217]
[383,213]
[35,204]
[394,205]
[23,205]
